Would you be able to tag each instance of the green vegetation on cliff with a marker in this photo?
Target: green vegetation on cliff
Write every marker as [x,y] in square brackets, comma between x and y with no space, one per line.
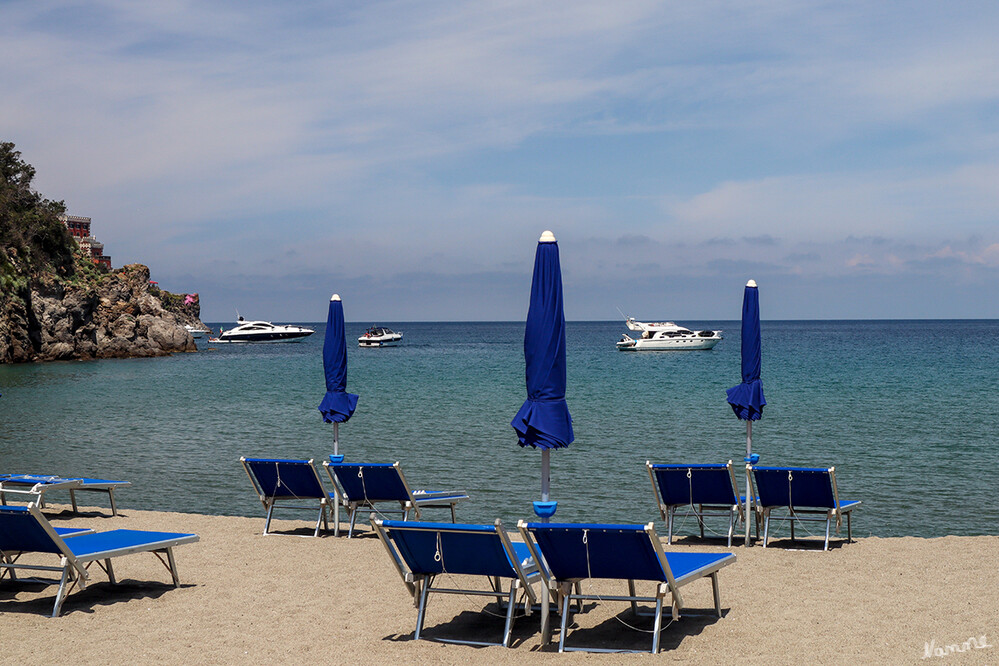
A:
[33,240]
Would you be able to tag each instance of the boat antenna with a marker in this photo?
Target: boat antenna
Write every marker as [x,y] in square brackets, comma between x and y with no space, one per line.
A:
[622,314]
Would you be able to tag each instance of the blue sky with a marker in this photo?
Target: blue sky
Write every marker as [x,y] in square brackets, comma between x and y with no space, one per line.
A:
[407,155]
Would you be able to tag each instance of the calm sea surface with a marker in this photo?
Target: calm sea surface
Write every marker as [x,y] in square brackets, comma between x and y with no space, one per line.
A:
[907,411]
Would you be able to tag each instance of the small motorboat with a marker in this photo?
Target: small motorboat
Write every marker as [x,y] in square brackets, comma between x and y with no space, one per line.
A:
[263,331]
[379,336]
[665,336]
[196,333]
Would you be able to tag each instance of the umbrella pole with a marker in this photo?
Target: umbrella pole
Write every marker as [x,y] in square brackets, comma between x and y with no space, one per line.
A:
[336,494]
[749,483]
[545,477]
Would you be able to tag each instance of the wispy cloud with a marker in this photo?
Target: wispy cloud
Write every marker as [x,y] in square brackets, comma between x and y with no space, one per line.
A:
[407,139]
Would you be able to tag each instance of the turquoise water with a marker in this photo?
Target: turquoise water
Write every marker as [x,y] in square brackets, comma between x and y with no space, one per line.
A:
[905,410]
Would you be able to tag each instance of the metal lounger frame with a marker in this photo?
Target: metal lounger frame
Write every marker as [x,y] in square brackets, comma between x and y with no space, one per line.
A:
[420,585]
[670,587]
[810,514]
[271,503]
[410,504]
[75,570]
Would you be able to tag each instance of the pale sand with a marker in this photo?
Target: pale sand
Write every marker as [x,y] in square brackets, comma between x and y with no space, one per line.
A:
[281,599]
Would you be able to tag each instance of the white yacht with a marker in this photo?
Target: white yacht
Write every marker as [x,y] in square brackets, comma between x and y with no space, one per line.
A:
[665,336]
[379,336]
[263,331]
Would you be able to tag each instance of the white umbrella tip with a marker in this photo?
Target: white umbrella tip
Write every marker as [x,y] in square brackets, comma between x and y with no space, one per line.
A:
[547,237]
[335,297]
[751,283]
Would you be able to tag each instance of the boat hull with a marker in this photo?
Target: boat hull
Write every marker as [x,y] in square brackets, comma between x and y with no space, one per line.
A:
[674,344]
[269,337]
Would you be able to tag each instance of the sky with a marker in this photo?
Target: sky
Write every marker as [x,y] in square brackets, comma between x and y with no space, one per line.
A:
[408,155]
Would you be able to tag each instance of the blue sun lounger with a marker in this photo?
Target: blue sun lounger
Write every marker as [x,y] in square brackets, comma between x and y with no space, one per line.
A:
[39,484]
[365,485]
[23,529]
[423,551]
[807,493]
[571,553]
[696,490]
[286,484]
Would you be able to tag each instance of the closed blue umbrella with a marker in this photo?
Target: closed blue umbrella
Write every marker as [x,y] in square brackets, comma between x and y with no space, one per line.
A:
[543,420]
[747,399]
[337,405]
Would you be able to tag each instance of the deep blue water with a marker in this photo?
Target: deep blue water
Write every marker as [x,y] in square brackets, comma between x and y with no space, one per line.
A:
[907,411]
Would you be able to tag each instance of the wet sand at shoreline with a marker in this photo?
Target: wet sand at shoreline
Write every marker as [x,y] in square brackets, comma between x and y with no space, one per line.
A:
[286,599]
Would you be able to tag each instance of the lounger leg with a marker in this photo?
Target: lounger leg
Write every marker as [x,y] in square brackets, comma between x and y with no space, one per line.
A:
[60,595]
[849,532]
[669,526]
[565,622]
[319,520]
[716,593]
[766,527]
[792,526]
[173,568]
[453,518]
[109,570]
[731,525]
[631,592]
[72,499]
[511,604]
[828,523]
[657,625]
[114,507]
[267,521]
[421,613]
[546,601]
[353,517]
[700,518]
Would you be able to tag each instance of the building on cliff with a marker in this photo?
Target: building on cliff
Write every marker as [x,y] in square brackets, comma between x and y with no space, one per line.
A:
[79,228]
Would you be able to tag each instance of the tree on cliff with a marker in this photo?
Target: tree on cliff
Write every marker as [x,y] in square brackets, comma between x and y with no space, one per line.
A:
[32,237]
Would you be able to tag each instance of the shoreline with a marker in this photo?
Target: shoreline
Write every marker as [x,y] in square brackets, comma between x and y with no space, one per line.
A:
[279,597]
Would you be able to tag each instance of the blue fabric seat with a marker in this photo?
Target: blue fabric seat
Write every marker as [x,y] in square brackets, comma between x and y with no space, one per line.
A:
[23,529]
[570,553]
[806,493]
[288,484]
[373,485]
[421,552]
[696,490]
[39,484]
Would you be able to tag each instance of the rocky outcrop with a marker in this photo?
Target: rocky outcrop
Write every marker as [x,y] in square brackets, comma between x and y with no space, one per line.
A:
[47,319]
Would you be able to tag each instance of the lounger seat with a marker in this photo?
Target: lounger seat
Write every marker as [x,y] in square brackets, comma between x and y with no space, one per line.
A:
[373,485]
[421,552]
[288,484]
[571,553]
[39,484]
[26,530]
[696,490]
[806,493]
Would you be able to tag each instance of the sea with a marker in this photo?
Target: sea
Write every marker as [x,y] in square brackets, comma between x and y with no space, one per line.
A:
[906,411]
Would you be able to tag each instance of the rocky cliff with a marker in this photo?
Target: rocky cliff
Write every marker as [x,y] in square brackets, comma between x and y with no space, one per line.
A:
[56,303]
[49,319]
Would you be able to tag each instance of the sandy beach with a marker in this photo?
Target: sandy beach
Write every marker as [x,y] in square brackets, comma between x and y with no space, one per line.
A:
[282,598]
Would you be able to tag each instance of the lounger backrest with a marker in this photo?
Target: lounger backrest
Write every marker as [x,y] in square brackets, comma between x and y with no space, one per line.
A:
[598,551]
[285,479]
[794,486]
[695,484]
[372,481]
[21,531]
[433,548]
